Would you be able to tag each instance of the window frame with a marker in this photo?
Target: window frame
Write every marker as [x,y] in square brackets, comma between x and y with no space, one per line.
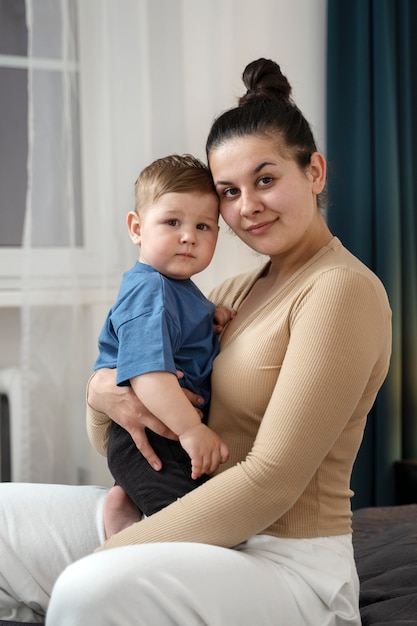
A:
[54,270]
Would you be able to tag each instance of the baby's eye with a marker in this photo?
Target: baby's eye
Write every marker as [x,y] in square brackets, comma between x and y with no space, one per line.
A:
[202,227]
[173,222]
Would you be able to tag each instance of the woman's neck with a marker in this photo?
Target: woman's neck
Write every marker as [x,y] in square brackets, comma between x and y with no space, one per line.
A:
[284,265]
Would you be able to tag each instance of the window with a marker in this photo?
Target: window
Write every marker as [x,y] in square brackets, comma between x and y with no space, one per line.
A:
[13,120]
[40,164]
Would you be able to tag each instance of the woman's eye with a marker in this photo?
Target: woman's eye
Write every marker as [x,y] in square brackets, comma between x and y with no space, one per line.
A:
[230,192]
[265,180]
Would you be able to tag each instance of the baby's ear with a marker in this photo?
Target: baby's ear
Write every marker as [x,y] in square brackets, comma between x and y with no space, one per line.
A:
[133,226]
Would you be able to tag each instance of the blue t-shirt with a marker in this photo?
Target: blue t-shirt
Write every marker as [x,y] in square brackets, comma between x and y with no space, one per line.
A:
[159,324]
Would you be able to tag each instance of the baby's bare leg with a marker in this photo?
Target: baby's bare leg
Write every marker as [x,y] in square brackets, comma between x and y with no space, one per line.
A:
[119,511]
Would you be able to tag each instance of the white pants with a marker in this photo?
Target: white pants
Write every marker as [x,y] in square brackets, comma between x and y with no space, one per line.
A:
[265,581]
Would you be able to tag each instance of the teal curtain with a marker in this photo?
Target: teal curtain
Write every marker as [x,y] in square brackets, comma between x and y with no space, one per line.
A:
[372,155]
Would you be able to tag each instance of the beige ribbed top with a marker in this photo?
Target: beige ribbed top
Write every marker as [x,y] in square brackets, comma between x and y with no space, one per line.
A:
[291,390]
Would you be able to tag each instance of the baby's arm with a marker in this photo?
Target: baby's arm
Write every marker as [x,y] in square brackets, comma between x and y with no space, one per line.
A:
[162,395]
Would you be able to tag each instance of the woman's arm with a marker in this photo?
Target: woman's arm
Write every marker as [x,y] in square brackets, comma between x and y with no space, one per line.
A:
[337,348]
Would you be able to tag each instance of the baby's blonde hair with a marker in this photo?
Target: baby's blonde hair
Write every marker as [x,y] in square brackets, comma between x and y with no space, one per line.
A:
[171,174]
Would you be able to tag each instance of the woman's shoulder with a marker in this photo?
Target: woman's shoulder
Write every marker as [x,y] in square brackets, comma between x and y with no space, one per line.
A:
[333,266]
[232,290]
[339,260]
[335,274]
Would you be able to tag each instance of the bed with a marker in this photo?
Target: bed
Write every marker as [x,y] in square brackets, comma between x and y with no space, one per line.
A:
[385,541]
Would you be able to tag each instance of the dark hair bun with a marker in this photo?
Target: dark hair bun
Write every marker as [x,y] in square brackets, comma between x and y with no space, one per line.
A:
[263,78]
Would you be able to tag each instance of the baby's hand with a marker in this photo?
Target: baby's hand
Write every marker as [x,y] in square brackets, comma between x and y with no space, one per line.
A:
[222,315]
[205,449]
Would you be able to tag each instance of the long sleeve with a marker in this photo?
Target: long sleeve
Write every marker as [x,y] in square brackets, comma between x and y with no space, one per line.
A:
[292,387]
[98,425]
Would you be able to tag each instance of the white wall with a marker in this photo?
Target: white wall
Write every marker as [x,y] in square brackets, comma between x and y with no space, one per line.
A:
[233,33]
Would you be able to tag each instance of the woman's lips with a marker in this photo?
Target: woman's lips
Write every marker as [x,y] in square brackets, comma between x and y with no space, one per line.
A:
[260,229]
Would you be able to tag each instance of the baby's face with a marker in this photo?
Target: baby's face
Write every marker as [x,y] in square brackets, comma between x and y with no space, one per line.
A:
[178,233]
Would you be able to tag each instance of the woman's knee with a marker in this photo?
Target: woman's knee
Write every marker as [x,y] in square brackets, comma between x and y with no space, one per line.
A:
[79,594]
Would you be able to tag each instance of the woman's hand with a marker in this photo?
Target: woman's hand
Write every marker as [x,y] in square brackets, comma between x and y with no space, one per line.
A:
[124,407]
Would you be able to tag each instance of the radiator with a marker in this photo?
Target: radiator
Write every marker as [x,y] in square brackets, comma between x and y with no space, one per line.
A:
[10,424]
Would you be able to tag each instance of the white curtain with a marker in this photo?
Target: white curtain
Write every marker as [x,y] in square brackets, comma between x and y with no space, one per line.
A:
[143,78]
[54,320]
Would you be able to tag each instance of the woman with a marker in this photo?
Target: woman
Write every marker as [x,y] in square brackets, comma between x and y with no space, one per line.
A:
[268,539]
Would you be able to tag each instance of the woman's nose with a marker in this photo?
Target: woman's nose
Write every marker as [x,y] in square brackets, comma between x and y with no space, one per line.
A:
[250,204]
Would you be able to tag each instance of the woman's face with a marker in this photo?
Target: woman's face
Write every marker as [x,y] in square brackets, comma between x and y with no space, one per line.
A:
[266,199]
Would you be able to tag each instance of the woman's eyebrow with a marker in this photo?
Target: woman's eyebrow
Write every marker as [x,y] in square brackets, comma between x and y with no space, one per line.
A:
[262,165]
[257,169]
